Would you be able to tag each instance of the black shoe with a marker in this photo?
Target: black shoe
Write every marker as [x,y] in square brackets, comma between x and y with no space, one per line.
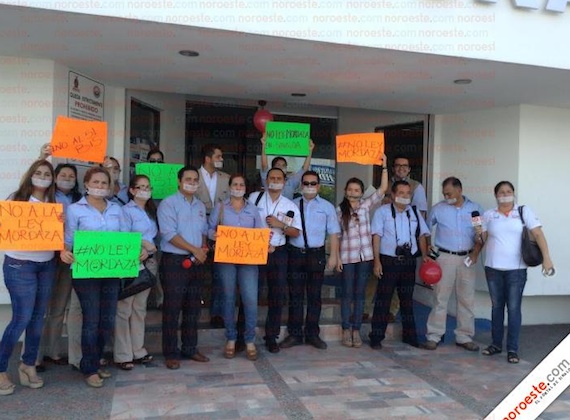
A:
[240,346]
[376,345]
[272,346]
[316,342]
[291,341]
[41,368]
[217,322]
[412,343]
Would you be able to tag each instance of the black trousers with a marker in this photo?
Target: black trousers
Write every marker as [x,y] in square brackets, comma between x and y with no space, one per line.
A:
[182,288]
[399,274]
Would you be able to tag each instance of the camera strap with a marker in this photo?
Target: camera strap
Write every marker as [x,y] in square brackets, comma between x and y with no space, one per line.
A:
[409,223]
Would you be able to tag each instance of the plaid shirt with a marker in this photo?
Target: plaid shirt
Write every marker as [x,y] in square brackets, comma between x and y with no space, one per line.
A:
[356,243]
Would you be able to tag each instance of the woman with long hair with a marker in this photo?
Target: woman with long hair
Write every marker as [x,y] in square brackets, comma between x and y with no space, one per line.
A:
[98,297]
[356,256]
[66,193]
[29,277]
[505,269]
[139,216]
[237,211]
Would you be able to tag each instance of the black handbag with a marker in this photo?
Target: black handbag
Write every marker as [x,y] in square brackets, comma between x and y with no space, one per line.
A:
[132,286]
[531,253]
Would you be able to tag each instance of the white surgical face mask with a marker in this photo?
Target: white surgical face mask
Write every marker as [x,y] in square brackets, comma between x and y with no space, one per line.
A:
[451,201]
[98,192]
[237,193]
[309,190]
[41,183]
[190,187]
[143,195]
[275,186]
[65,185]
[353,197]
[219,164]
[115,176]
[402,200]
[505,199]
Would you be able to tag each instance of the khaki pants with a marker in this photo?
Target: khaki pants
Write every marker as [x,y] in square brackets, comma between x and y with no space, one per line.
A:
[74,325]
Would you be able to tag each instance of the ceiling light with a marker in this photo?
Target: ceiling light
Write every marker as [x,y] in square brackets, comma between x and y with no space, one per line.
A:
[462,81]
[299,94]
[189,53]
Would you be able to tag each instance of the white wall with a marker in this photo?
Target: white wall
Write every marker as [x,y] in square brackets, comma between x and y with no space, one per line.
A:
[465,28]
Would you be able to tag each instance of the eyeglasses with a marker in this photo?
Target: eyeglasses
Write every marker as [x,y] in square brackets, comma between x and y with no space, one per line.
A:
[397,166]
[155,161]
[143,187]
[311,183]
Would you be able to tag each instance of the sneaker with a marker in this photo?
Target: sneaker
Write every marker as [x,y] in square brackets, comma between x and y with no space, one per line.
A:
[429,345]
[347,338]
[356,339]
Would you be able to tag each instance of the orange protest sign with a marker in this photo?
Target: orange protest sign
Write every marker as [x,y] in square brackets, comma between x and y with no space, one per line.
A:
[26,226]
[237,245]
[362,148]
[79,139]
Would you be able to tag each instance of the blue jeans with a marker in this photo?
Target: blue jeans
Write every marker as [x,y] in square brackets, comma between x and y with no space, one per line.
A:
[29,284]
[506,288]
[354,278]
[98,299]
[246,276]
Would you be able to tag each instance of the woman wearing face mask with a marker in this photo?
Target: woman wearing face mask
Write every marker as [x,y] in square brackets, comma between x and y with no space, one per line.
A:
[139,216]
[356,254]
[237,211]
[118,191]
[66,193]
[29,276]
[504,267]
[98,297]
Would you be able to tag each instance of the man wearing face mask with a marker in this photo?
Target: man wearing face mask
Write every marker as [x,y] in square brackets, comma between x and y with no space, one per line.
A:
[307,263]
[119,191]
[292,181]
[183,229]
[213,182]
[398,233]
[455,238]
[282,216]
[214,187]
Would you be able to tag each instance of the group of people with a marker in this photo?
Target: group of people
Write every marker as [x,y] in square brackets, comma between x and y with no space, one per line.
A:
[380,234]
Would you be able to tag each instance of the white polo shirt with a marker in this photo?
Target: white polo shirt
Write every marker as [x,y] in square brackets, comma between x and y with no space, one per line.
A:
[278,208]
[503,247]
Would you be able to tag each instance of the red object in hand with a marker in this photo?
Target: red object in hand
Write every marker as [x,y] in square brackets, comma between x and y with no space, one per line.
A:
[430,272]
[186,263]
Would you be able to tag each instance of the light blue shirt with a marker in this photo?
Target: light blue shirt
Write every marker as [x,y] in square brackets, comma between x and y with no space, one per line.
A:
[65,199]
[247,217]
[454,231]
[405,224]
[123,195]
[178,216]
[137,220]
[83,216]
[291,182]
[320,220]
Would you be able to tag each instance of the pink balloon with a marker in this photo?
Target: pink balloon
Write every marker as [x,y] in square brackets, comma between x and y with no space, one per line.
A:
[260,119]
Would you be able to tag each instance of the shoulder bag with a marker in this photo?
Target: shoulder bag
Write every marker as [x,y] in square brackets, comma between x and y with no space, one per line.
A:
[530,251]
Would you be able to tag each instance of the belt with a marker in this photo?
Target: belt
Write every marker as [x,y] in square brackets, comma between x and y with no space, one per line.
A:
[279,246]
[458,253]
[306,250]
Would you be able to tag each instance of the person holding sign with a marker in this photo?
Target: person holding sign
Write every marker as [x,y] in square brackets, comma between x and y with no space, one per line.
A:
[398,236]
[66,193]
[97,297]
[291,182]
[237,211]
[282,216]
[139,216]
[307,262]
[183,230]
[29,277]
[356,254]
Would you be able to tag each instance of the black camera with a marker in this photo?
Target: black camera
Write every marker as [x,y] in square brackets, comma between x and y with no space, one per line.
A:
[404,250]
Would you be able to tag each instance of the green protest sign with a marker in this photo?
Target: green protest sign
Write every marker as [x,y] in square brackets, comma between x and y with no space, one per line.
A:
[163,177]
[287,139]
[106,254]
